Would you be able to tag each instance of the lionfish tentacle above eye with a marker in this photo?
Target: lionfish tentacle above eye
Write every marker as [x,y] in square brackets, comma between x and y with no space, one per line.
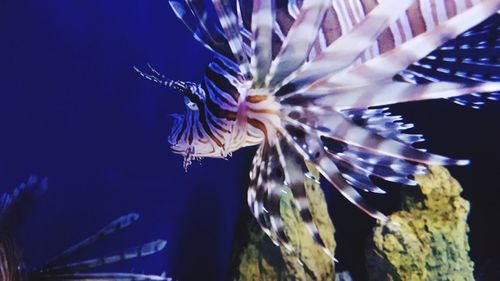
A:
[300,78]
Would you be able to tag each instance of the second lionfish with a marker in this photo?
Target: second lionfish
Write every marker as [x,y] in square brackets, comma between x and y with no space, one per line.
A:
[62,267]
[304,80]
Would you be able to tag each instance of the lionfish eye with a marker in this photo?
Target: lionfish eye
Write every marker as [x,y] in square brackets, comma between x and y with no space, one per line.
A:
[191,105]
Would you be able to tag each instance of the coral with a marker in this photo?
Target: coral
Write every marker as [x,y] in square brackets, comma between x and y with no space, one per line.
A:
[427,239]
[261,260]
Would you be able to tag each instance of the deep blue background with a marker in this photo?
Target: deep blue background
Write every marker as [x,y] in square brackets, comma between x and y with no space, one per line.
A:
[73,109]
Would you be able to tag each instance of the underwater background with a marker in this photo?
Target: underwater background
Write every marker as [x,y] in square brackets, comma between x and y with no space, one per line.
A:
[73,109]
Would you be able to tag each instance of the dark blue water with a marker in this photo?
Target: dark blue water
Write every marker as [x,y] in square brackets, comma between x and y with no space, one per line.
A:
[73,109]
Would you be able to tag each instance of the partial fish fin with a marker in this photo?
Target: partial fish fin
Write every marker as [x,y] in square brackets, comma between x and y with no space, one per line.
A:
[310,146]
[359,164]
[383,123]
[334,125]
[194,15]
[131,253]
[257,190]
[296,175]
[387,65]
[262,30]
[275,181]
[108,277]
[299,41]
[229,23]
[26,192]
[345,50]
[115,226]
[385,93]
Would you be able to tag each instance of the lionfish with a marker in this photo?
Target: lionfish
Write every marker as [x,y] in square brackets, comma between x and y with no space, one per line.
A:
[59,268]
[306,80]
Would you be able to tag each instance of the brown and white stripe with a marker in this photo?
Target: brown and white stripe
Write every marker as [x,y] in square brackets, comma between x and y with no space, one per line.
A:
[391,63]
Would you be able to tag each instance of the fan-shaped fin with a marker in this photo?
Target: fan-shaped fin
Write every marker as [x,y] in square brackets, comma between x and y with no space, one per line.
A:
[335,125]
[309,145]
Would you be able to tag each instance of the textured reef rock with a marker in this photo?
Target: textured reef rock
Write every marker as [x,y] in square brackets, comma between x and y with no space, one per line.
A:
[261,260]
[428,239]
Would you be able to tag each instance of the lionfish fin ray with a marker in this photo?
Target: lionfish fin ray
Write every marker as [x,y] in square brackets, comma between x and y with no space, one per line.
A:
[335,125]
[295,168]
[28,191]
[229,22]
[115,226]
[310,146]
[346,49]
[127,254]
[262,30]
[298,42]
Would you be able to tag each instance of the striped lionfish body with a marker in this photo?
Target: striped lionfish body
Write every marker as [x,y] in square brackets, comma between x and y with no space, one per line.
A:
[60,267]
[304,79]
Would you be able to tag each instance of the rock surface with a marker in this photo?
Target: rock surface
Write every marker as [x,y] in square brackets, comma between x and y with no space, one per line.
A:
[261,260]
[428,238]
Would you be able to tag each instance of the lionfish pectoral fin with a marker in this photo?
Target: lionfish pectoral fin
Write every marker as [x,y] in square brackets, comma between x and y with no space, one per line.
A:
[127,254]
[310,146]
[335,125]
[115,226]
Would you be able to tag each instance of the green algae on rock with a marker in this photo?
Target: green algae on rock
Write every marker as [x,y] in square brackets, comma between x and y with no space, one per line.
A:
[261,260]
[427,239]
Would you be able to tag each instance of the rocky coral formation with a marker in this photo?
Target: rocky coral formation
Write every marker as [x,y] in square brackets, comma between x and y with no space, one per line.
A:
[428,238]
[261,260]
